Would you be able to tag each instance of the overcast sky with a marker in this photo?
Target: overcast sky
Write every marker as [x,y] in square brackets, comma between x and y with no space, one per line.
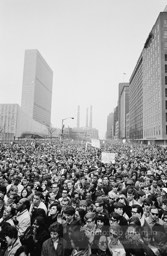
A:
[89,45]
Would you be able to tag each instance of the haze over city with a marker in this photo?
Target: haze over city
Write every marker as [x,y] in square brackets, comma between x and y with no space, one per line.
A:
[91,46]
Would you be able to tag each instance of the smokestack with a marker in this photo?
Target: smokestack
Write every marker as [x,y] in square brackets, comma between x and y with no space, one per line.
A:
[87,117]
[90,120]
[78,116]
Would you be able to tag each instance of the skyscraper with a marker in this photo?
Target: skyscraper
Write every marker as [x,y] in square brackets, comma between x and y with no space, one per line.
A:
[78,116]
[37,87]
[90,118]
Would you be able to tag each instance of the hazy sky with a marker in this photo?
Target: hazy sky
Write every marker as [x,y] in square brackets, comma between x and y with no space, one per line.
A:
[88,44]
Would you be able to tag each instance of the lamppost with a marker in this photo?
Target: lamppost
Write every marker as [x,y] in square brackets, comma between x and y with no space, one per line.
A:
[62,124]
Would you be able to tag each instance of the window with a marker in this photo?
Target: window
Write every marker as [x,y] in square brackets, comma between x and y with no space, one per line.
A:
[166,117]
[165,23]
[165,68]
[166,129]
[166,104]
[165,79]
[165,92]
[165,57]
[165,34]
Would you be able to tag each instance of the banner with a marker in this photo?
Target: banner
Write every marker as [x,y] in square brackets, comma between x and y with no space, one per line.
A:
[95,143]
[108,158]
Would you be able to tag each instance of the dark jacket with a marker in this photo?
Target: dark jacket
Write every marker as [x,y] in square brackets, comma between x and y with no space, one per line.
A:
[49,250]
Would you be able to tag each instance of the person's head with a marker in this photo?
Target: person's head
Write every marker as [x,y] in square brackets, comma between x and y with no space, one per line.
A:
[69,213]
[122,199]
[132,233]
[8,212]
[53,211]
[23,204]
[130,194]
[69,185]
[11,234]
[102,243]
[146,189]
[114,218]
[159,235]
[16,180]
[80,214]
[79,238]
[55,187]
[39,223]
[37,198]
[154,213]
[83,205]
[56,231]
[115,232]
[141,196]
[164,205]
[90,219]
[137,211]
[24,193]
[154,183]
[119,208]
[147,205]
[64,193]
[105,180]
[101,220]
[99,204]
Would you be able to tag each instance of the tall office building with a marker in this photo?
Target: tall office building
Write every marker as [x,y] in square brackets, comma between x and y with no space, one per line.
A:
[123,108]
[78,117]
[136,101]
[87,113]
[110,124]
[91,117]
[148,87]
[37,87]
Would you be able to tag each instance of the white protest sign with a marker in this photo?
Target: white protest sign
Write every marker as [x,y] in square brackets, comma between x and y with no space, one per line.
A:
[95,143]
[107,158]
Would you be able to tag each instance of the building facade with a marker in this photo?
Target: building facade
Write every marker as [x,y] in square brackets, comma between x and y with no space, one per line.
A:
[123,108]
[37,87]
[136,102]
[110,125]
[15,123]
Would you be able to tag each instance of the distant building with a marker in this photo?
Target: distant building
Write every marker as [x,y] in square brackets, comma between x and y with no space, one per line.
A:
[136,101]
[123,108]
[37,87]
[110,126]
[15,123]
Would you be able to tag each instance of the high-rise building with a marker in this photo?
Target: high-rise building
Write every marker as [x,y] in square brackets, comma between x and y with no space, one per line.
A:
[91,117]
[148,87]
[87,112]
[78,116]
[123,108]
[37,87]
[110,124]
[136,101]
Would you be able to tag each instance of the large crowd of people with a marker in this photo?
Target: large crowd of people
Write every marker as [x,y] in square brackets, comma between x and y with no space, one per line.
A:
[58,198]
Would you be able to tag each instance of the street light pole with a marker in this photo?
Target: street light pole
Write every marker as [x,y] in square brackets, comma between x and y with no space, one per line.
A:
[62,124]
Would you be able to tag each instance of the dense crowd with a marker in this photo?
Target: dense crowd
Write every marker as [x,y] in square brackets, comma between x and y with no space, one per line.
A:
[60,199]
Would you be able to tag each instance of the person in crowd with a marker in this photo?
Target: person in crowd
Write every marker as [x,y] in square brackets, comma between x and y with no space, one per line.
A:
[53,212]
[23,216]
[14,246]
[55,245]
[37,203]
[114,244]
